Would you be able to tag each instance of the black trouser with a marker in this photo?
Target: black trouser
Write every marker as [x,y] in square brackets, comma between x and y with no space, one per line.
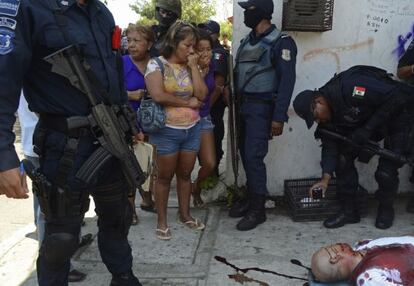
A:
[62,232]
[397,140]
[217,113]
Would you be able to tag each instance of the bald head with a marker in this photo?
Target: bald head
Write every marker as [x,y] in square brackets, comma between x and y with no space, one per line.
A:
[322,269]
[334,262]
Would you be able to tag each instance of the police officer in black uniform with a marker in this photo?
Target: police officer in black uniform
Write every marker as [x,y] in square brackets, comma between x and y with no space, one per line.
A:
[218,104]
[264,79]
[29,31]
[166,12]
[362,103]
[406,73]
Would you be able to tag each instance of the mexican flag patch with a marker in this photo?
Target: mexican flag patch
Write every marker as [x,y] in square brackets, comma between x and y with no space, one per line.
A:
[359,92]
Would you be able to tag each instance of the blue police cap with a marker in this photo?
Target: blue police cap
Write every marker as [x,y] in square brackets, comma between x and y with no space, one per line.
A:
[212,27]
[264,5]
[302,105]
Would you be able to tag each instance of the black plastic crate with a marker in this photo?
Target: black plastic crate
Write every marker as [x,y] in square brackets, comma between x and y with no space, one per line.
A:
[297,190]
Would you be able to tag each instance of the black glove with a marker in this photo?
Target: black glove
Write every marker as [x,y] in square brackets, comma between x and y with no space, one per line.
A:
[360,136]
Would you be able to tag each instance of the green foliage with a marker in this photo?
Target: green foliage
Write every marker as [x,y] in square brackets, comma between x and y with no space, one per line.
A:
[209,183]
[192,11]
[226,28]
[232,195]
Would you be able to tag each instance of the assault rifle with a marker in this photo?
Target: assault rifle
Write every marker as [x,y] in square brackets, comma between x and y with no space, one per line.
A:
[113,125]
[233,123]
[367,151]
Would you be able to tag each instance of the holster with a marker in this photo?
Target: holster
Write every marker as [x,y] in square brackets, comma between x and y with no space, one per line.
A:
[56,200]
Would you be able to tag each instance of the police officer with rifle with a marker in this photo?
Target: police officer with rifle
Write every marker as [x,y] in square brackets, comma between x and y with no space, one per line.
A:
[62,54]
[362,103]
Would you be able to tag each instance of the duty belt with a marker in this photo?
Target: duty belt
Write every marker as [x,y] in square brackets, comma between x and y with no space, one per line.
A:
[74,126]
[246,98]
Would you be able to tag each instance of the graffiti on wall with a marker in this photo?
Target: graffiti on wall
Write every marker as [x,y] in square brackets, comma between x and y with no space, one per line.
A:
[403,41]
[336,51]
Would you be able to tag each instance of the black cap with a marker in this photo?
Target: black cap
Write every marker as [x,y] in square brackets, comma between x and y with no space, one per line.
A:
[212,27]
[264,5]
[302,105]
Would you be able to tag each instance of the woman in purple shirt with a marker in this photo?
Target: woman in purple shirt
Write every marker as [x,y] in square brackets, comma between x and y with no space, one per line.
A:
[140,39]
[206,155]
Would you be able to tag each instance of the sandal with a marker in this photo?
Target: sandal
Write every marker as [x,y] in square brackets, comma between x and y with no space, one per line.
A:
[193,224]
[163,234]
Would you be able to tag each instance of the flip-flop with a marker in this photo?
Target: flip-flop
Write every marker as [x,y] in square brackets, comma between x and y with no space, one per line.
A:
[163,234]
[195,224]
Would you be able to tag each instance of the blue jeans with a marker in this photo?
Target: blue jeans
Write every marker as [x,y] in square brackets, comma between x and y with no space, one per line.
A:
[170,140]
[206,124]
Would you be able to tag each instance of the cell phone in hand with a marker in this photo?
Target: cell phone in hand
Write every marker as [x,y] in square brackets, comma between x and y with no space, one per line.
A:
[317,193]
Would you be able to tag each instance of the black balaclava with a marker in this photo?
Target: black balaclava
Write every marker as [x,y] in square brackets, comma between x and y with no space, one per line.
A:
[165,22]
[252,17]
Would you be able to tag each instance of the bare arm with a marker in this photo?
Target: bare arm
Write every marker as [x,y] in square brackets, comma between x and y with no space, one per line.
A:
[199,86]
[136,94]
[155,87]
[219,82]
[405,72]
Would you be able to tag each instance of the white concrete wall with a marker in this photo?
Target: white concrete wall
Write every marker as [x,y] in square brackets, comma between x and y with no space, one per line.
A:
[353,40]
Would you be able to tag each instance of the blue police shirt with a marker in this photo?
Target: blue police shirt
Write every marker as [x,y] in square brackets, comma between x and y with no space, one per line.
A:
[361,100]
[219,59]
[28,33]
[284,59]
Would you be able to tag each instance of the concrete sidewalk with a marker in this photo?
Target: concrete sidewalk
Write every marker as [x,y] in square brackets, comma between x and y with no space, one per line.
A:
[188,258]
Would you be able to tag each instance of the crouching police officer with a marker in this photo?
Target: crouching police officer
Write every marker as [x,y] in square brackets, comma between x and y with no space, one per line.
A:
[362,103]
[264,78]
[31,30]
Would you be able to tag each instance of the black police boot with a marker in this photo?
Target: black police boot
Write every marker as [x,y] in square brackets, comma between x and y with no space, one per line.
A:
[410,205]
[347,214]
[239,208]
[125,279]
[255,215]
[385,216]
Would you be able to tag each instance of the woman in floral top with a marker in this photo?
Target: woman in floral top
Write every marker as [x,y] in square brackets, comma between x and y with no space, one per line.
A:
[179,87]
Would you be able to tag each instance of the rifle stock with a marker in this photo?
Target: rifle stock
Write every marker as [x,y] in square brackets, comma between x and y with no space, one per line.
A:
[368,150]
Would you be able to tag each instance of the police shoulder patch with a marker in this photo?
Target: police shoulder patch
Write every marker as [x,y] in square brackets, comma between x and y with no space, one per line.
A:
[8,23]
[286,55]
[6,41]
[218,56]
[9,7]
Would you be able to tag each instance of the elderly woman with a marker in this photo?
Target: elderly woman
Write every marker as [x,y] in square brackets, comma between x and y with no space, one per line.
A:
[207,153]
[179,87]
[139,41]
